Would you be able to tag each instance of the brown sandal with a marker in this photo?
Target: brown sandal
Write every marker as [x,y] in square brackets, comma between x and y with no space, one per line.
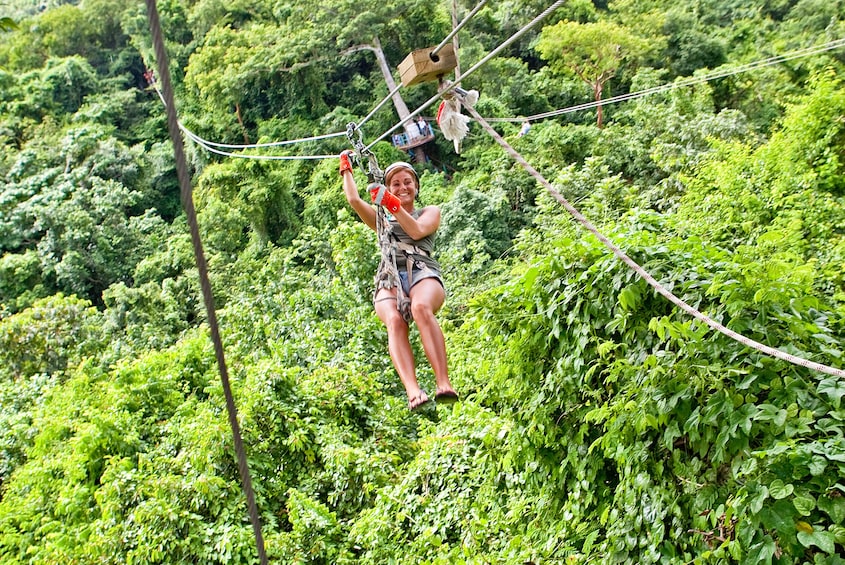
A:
[446,397]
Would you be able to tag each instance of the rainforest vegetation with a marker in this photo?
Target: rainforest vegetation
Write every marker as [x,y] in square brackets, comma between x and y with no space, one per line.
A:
[598,422]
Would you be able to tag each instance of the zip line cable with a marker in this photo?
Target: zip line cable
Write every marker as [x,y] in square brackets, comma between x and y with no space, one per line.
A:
[198,139]
[379,105]
[210,145]
[208,296]
[645,275]
[691,81]
[457,28]
[210,149]
[432,54]
[474,68]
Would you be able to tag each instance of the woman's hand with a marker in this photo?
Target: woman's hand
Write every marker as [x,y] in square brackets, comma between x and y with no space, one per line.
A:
[345,162]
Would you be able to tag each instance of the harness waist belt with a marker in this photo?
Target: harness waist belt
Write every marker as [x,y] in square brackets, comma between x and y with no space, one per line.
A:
[408,248]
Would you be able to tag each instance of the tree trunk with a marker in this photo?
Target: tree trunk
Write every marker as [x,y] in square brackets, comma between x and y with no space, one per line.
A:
[597,88]
[398,102]
[241,122]
[455,39]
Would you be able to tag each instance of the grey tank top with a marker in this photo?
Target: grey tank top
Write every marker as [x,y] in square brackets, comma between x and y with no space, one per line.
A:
[416,249]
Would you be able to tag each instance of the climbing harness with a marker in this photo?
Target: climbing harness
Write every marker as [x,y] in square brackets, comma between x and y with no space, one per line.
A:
[387,274]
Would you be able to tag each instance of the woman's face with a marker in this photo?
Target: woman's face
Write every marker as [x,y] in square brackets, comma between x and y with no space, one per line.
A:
[403,185]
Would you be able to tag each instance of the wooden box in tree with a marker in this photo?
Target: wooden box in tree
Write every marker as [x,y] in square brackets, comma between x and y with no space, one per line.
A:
[419,66]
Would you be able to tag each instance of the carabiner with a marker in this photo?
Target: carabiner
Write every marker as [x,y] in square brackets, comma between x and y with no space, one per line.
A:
[371,169]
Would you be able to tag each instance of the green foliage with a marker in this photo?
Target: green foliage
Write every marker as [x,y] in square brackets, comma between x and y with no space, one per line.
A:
[21,282]
[689,47]
[598,424]
[473,219]
[595,359]
[251,190]
[37,347]
[49,336]
[592,52]
[777,192]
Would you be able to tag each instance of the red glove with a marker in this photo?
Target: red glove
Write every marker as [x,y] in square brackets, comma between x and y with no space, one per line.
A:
[387,199]
[345,163]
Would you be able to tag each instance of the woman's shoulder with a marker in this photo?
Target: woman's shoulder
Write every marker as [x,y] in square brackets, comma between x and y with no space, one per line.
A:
[432,208]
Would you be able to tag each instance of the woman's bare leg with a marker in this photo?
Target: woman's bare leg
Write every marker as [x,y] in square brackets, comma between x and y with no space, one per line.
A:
[399,346]
[427,296]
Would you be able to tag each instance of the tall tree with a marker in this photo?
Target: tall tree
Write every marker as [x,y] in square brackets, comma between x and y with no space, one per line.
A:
[593,52]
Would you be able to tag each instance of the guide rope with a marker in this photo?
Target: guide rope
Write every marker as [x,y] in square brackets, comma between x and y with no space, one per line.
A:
[645,275]
[210,146]
[208,296]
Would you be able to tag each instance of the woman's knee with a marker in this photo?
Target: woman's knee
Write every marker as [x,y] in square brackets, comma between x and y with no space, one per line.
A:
[392,320]
[422,312]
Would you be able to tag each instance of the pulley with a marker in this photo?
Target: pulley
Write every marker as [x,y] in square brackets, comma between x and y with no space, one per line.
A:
[424,65]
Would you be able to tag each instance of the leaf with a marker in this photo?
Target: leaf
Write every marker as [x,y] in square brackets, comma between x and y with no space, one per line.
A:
[779,490]
[834,389]
[756,503]
[820,538]
[629,298]
[778,516]
[838,533]
[761,552]
[589,541]
[817,465]
[802,526]
[529,277]
[804,504]
[833,507]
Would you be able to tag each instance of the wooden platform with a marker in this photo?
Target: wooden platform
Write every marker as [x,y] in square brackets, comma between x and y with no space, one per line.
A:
[404,142]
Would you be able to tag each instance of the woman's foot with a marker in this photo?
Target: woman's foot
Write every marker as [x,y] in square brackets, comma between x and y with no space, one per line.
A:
[445,396]
[417,401]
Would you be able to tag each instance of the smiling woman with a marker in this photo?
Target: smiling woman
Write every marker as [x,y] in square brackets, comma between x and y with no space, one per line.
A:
[412,234]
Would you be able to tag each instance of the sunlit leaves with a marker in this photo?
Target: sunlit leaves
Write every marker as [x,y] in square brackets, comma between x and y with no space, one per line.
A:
[598,422]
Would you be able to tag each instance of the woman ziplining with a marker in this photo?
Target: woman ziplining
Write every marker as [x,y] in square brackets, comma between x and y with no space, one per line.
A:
[408,285]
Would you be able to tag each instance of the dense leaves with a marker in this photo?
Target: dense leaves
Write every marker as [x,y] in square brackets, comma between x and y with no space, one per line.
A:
[598,423]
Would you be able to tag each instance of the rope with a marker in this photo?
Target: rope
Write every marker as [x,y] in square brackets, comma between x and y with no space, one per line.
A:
[685,82]
[771,351]
[210,149]
[379,105]
[204,142]
[388,271]
[475,67]
[202,267]
[210,145]
[456,29]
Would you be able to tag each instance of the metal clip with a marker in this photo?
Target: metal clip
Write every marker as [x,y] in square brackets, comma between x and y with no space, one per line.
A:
[371,169]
